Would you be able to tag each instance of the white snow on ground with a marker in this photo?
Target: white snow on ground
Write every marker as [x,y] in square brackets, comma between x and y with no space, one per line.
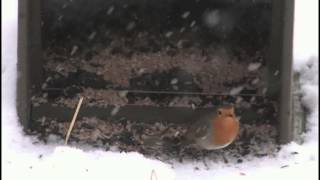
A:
[24,160]
[306,30]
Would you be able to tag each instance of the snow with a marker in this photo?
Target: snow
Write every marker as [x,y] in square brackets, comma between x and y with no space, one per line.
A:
[174,81]
[310,89]
[115,110]
[168,34]
[74,50]
[185,14]
[192,23]
[131,25]
[212,18]
[254,66]
[25,158]
[306,31]
[92,35]
[236,90]
[110,10]
[255,81]
[123,93]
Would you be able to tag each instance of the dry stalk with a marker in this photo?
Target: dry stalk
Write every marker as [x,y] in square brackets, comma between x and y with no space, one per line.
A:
[73,120]
[153,173]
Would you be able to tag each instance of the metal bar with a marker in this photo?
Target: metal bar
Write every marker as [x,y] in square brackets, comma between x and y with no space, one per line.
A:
[172,92]
[138,113]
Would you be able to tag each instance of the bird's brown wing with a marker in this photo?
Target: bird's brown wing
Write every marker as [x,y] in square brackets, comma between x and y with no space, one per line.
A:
[200,127]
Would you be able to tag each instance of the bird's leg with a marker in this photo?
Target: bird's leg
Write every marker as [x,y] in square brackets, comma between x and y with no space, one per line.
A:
[204,155]
[224,158]
[181,153]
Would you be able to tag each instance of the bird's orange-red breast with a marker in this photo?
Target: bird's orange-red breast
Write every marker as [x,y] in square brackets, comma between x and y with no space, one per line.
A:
[225,126]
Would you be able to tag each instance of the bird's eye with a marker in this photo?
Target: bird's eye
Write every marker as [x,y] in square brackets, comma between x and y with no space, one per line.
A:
[219,112]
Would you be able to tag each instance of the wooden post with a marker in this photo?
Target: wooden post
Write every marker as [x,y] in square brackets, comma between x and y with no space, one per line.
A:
[29,56]
[280,86]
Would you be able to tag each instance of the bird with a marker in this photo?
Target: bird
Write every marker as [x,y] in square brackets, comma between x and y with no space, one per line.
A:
[215,130]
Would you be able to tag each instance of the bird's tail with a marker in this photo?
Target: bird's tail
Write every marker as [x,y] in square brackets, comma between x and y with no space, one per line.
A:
[155,140]
[160,140]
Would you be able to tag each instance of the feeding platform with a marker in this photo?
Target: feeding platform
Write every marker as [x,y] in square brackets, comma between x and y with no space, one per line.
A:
[143,66]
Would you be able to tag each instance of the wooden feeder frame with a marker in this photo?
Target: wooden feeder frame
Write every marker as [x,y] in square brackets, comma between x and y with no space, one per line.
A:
[280,58]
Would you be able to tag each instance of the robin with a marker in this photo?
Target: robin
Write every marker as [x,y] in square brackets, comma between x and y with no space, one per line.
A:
[213,131]
[216,130]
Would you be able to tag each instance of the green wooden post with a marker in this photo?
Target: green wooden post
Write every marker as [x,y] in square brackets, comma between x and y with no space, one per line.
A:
[280,86]
[29,56]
